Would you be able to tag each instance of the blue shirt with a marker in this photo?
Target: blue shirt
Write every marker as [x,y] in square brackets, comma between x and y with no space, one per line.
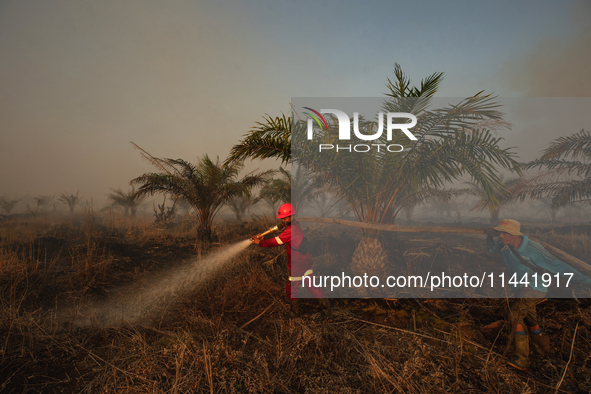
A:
[536,255]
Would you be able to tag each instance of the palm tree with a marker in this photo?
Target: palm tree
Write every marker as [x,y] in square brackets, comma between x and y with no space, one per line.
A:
[239,205]
[451,144]
[566,175]
[299,188]
[325,200]
[544,205]
[278,190]
[270,202]
[8,205]
[206,186]
[504,197]
[40,202]
[305,187]
[442,199]
[70,200]
[130,201]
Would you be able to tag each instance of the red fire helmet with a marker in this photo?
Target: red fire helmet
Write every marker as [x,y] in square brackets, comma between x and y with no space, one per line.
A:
[286,210]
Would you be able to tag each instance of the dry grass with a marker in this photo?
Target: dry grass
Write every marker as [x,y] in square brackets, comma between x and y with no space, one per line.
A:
[229,335]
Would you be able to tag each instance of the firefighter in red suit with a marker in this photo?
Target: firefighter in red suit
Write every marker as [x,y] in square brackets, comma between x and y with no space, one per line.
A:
[299,264]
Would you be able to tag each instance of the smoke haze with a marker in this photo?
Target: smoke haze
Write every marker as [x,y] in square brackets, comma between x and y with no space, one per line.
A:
[80,79]
[557,66]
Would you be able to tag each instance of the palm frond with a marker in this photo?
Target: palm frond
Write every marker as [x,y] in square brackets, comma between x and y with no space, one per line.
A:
[577,146]
[566,172]
[269,139]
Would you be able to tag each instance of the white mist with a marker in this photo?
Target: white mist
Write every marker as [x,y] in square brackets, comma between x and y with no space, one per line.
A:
[136,303]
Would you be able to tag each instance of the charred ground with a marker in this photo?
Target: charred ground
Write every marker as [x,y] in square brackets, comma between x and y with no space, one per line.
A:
[229,335]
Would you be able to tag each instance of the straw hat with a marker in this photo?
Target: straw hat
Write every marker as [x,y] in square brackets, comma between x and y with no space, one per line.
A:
[509,226]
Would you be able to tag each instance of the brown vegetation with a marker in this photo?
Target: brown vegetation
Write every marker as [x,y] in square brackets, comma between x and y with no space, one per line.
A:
[229,335]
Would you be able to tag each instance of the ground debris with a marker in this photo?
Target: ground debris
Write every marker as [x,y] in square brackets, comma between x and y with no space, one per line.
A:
[216,337]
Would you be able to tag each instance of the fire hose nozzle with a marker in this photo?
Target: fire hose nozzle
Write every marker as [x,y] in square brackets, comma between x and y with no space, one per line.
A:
[269,231]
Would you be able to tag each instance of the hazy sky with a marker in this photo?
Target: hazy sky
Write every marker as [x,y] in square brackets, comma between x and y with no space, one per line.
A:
[79,79]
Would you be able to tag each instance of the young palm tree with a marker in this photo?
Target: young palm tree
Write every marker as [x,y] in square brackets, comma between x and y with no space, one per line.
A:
[544,205]
[305,187]
[239,205]
[130,201]
[70,200]
[41,202]
[8,205]
[441,198]
[298,189]
[566,175]
[451,144]
[206,186]
[278,190]
[325,200]
[271,202]
[503,196]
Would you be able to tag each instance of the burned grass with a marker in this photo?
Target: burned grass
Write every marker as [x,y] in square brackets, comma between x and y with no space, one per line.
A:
[229,334]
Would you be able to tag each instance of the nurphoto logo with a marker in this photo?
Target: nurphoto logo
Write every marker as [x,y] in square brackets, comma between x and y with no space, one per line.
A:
[345,129]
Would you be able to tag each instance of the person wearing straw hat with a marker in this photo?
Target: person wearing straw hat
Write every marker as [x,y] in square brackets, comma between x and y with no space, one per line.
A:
[522,257]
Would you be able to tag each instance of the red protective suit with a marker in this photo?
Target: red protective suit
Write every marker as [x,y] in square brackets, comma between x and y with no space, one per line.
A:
[297,263]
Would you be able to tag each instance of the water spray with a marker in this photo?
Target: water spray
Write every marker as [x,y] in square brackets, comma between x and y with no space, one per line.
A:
[150,297]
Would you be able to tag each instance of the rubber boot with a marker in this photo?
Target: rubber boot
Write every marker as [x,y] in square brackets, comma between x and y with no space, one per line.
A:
[325,306]
[294,309]
[521,361]
[541,344]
